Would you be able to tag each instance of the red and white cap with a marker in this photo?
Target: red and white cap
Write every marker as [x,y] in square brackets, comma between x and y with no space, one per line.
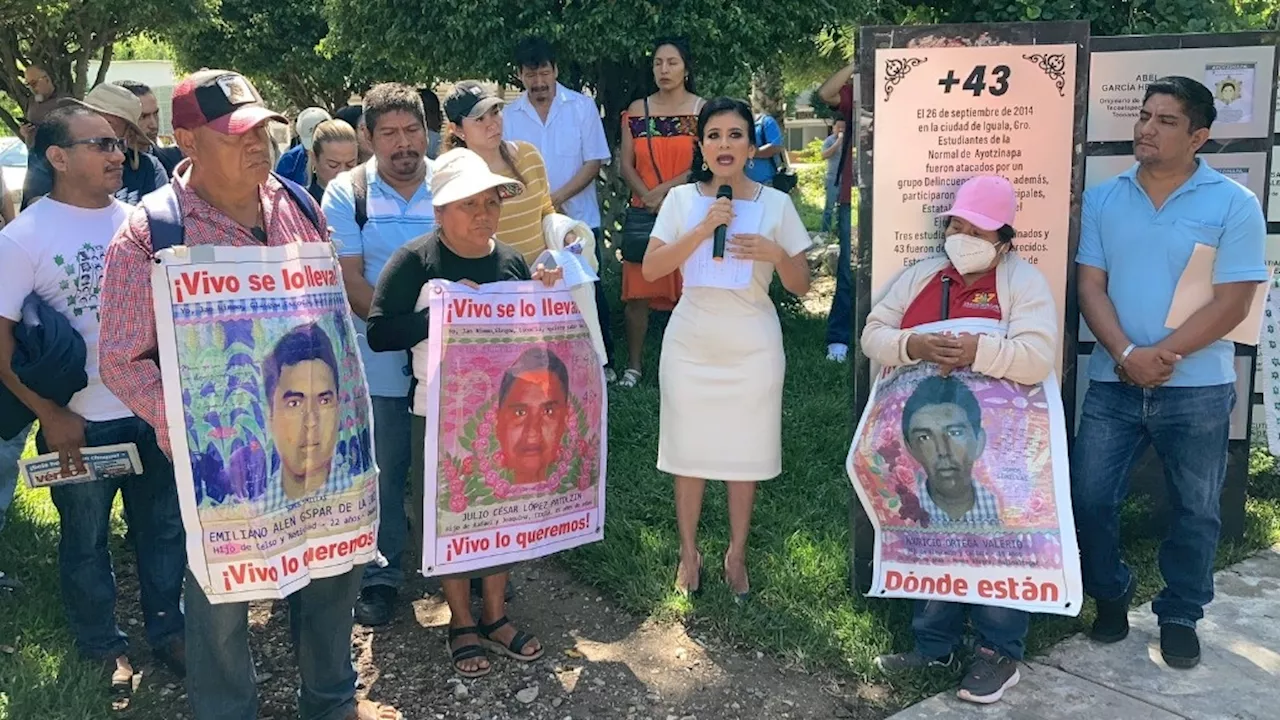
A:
[987,201]
[222,100]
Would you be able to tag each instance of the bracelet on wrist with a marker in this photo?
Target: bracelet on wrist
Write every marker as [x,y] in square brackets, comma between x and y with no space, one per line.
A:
[1127,352]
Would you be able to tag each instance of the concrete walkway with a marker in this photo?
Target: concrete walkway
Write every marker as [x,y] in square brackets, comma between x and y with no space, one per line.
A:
[1237,678]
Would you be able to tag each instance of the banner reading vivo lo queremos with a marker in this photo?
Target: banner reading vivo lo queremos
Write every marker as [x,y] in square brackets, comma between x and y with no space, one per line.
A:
[269,417]
[515,426]
[965,479]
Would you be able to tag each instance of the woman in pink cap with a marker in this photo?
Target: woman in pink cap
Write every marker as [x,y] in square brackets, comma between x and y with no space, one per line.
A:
[980,277]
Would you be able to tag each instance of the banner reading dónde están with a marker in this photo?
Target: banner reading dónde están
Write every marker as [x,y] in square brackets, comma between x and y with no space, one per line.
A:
[514,456]
[269,417]
[965,480]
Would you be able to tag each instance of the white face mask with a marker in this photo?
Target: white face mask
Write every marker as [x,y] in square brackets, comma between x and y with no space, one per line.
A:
[970,254]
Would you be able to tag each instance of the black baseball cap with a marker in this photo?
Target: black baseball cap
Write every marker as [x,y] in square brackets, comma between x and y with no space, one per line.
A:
[223,100]
[469,99]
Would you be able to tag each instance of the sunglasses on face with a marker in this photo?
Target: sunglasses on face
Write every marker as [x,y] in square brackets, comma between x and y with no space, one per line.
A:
[101,144]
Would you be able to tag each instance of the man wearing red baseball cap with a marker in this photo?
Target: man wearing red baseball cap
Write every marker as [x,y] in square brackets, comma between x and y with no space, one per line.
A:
[225,195]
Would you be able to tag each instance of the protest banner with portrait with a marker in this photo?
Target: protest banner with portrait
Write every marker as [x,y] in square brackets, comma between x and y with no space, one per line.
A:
[269,417]
[515,441]
[965,480]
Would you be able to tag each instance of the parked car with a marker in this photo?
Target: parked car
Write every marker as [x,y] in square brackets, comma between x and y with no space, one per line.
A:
[13,166]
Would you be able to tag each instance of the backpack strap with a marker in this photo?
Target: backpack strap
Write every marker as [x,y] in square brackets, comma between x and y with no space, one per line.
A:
[302,198]
[360,194]
[164,218]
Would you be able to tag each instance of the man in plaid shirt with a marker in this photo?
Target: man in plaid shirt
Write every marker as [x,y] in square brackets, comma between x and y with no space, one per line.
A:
[227,197]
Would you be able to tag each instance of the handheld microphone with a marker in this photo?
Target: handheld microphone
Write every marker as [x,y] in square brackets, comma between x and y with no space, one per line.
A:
[717,245]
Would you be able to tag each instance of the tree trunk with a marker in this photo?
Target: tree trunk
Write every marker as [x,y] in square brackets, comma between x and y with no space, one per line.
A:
[766,92]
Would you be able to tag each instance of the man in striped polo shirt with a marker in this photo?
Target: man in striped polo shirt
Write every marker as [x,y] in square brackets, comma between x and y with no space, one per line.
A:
[373,210]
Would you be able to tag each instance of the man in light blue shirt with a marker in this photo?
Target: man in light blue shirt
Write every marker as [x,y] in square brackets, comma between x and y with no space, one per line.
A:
[768,139]
[1171,388]
[396,209]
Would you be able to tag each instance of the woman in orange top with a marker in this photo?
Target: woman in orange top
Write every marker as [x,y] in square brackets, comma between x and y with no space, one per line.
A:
[658,136]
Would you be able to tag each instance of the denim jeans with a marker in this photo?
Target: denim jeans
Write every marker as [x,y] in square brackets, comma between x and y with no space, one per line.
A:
[392,451]
[220,676]
[840,321]
[828,208]
[155,531]
[602,301]
[10,453]
[1188,427]
[939,628]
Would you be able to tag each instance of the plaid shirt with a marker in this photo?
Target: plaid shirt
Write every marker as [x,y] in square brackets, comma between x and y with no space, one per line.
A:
[128,355]
[985,510]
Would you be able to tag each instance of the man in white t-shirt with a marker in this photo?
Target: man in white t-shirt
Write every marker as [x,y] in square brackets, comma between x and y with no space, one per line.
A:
[566,128]
[55,250]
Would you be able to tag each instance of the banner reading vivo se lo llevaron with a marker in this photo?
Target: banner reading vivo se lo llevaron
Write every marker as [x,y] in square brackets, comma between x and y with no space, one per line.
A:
[965,480]
[269,417]
[514,456]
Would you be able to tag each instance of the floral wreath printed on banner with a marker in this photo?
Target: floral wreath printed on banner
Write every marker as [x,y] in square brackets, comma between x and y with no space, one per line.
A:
[479,477]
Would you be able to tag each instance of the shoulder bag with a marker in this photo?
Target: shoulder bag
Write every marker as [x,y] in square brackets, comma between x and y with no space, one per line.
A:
[637,223]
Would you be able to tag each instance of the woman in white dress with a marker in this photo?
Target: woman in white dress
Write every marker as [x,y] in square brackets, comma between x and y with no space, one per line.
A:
[722,361]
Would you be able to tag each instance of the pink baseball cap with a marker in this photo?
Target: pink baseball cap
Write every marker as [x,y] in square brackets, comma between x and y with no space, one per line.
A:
[222,100]
[987,201]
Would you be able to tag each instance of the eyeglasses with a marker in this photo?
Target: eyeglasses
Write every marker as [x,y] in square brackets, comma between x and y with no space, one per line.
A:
[101,144]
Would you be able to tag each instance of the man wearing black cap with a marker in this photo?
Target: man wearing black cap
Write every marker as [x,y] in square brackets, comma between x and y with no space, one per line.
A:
[227,197]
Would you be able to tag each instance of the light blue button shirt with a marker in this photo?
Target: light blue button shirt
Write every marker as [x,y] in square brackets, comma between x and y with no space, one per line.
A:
[1144,252]
[393,222]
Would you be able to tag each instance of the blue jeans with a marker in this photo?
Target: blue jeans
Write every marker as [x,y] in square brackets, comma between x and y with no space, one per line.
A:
[1188,427]
[939,628]
[840,321]
[155,531]
[220,677]
[10,453]
[828,208]
[391,440]
[602,301]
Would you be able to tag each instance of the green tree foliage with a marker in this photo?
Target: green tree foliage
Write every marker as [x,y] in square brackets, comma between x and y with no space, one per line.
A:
[1107,17]
[603,45]
[275,43]
[64,35]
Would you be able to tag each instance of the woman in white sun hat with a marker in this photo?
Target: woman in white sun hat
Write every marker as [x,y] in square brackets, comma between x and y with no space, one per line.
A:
[468,199]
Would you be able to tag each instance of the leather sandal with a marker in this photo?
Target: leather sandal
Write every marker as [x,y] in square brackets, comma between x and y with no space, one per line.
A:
[515,648]
[467,652]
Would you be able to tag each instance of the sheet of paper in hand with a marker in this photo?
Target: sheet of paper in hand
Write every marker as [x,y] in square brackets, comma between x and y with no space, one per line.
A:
[100,463]
[269,417]
[702,269]
[516,426]
[965,480]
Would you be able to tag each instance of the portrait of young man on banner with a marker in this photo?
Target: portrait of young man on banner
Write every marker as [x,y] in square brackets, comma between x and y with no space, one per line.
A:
[271,418]
[515,440]
[964,477]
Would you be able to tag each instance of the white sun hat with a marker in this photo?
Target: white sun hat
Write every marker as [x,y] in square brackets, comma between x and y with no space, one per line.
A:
[460,173]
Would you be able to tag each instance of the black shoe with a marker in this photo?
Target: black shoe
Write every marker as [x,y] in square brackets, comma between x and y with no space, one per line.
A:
[173,655]
[1112,623]
[988,678]
[477,588]
[1179,646]
[376,605]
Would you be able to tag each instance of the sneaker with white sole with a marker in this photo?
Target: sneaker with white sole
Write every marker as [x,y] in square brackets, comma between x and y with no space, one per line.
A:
[837,352]
[989,676]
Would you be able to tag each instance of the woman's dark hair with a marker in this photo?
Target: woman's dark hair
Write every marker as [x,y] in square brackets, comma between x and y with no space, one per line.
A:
[718,106]
[682,46]
[431,108]
[451,140]
[1196,99]
[1006,234]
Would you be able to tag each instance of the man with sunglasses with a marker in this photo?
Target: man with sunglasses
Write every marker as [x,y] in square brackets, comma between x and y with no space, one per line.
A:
[142,172]
[227,196]
[55,250]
